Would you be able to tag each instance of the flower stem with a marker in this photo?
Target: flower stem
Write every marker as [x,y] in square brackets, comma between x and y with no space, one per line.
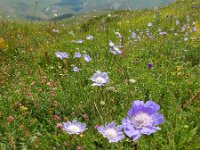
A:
[98,112]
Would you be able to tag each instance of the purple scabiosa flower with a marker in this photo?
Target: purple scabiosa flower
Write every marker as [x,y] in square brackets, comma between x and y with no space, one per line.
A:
[74,127]
[80,41]
[90,37]
[194,29]
[149,24]
[163,33]
[75,69]
[111,44]
[177,22]
[139,38]
[150,65]
[133,35]
[115,50]
[77,55]
[62,55]
[112,132]
[183,28]
[100,78]
[87,58]
[142,118]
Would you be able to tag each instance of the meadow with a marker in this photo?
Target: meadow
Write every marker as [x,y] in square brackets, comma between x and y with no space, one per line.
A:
[47,78]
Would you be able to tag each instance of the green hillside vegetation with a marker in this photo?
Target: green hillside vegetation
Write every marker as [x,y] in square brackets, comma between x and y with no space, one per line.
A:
[47,9]
[159,61]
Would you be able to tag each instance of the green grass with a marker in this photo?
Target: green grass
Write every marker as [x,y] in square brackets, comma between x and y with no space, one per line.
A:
[33,80]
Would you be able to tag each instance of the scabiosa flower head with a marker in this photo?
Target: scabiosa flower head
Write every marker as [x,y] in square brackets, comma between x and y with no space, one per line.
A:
[194,29]
[133,35]
[139,38]
[112,132]
[149,24]
[90,37]
[100,78]
[115,50]
[75,69]
[87,58]
[62,55]
[80,41]
[177,22]
[74,127]
[150,65]
[142,118]
[183,28]
[77,55]
[162,33]
[111,44]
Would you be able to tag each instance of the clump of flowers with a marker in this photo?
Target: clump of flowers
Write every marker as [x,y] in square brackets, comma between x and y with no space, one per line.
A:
[100,78]
[112,132]
[114,49]
[74,127]
[142,118]
[62,55]
[111,44]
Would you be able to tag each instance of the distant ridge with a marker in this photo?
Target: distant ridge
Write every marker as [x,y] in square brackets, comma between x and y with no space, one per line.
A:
[47,9]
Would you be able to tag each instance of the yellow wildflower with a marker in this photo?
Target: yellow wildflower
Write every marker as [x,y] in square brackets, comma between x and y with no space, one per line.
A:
[2,43]
[23,108]
[179,68]
[81,135]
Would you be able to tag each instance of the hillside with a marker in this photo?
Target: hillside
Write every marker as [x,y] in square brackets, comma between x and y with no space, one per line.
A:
[47,9]
[99,70]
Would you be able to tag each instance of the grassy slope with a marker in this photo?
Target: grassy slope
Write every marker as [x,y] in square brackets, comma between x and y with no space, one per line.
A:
[24,8]
[32,79]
